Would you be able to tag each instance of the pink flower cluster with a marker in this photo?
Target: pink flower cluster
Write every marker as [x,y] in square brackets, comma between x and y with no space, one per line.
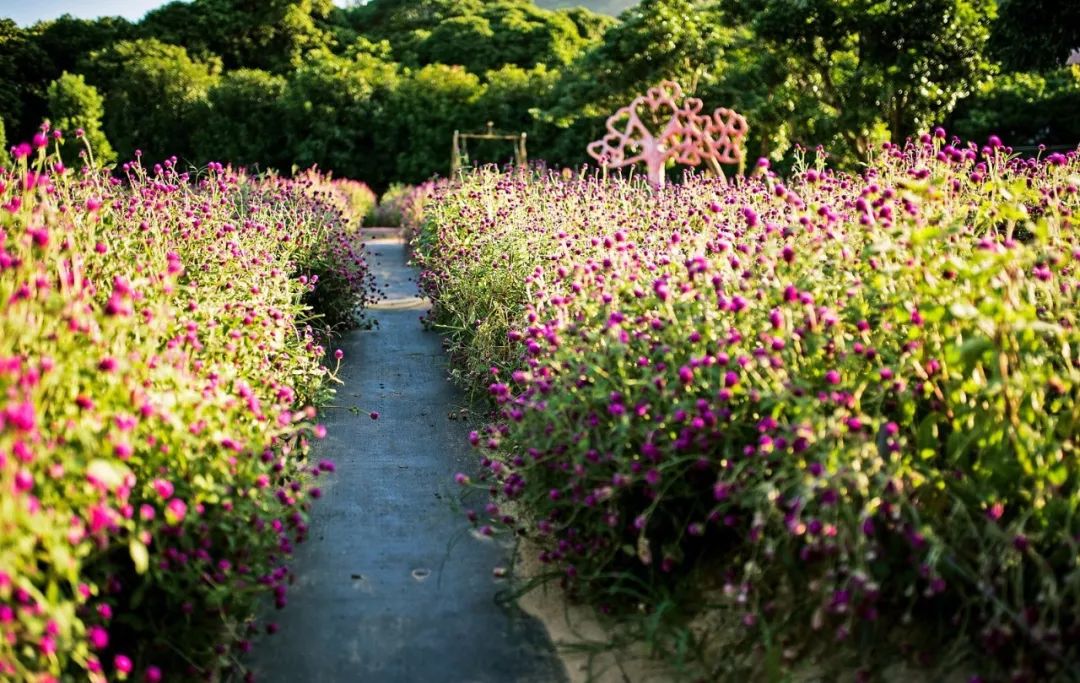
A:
[833,403]
[156,393]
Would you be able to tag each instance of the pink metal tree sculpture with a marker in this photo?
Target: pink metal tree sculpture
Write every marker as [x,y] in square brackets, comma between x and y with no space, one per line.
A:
[664,125]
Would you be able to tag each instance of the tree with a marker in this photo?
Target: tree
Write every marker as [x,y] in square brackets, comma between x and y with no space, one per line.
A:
[590,25]
[332,111]
[526,35]
[155,93]
[480,36]
[657,40]
[422,114]
[467,41]
[397,20]
[25,71]
[242,121]
[76,106]
[897,64]
[509,96]
[5,159]
[68,40]
[1035,35]
[1023,108]
[610,7]
[260,34]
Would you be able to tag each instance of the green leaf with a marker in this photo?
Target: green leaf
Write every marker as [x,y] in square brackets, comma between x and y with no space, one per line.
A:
[1058,475]
[139,555]
[109,474]
[974,348]
[962,310]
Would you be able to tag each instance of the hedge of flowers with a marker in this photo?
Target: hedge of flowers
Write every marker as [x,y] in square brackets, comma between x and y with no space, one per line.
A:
[833,408]
[401,206]
[357,199]
[158,368]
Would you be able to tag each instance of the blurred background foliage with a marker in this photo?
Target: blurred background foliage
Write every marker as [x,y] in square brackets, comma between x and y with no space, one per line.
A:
[375,90]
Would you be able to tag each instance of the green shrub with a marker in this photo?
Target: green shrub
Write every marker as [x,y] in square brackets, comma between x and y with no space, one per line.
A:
[76,109]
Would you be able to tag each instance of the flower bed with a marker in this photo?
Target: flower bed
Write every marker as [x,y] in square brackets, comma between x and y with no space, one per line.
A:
[158,368]
[828,409]
[401,206]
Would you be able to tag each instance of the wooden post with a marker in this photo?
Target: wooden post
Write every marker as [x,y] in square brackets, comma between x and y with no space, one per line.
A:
[455,156]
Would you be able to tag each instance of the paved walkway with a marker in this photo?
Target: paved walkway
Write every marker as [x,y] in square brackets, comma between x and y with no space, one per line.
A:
[391,586]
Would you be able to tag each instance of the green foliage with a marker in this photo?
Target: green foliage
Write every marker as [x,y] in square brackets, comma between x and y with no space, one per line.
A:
[241,121]
[467,40]
[154,93]
[656,40]
[872,63]
[76,106]
[333,108]
[1035,35]
[527,36]
[25,71]
[590,26]
[509,96]
[838,73]
[5,158]
[271,34]
[422,113]
[1024,108]
[387,19]
[67,40]
[608,7]
[478,36]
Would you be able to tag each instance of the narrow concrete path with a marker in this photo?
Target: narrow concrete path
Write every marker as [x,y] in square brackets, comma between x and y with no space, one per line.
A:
[391,585]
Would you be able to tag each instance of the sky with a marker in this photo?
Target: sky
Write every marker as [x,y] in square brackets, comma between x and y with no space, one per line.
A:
[26,12]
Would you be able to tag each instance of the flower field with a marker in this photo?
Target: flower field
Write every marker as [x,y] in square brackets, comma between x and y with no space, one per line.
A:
[828,409]
[161,357]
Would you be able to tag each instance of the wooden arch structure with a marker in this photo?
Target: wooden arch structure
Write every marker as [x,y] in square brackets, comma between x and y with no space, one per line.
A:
[460,150]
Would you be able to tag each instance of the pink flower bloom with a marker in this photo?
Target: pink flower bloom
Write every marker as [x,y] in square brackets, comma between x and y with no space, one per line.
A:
[123,664]
[164,488]
[175,511]
[24,481]
[21,416]
[97,637]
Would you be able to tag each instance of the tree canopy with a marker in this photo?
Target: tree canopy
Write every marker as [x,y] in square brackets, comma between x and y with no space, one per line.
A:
[375,90]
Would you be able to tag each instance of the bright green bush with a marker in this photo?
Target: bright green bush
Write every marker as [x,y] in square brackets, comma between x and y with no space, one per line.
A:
[76,106]
[838,409]
[158,372]
[154,93]
[360,199]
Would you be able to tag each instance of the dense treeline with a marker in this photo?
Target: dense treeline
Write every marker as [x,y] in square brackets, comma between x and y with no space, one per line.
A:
[375,90]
